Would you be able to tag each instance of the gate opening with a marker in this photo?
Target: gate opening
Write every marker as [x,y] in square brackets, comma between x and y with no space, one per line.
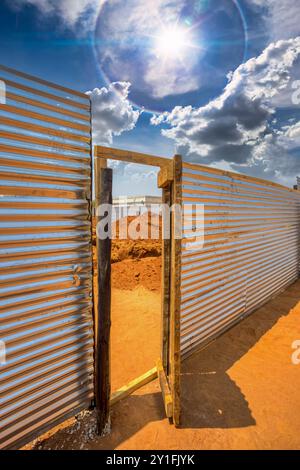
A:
[135,284]
[137,333]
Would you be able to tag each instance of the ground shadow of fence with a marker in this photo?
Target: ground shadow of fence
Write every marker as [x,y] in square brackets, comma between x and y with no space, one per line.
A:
[210,398]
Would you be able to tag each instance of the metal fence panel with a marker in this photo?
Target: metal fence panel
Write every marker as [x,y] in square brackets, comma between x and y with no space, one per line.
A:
[250,251]
[46,323]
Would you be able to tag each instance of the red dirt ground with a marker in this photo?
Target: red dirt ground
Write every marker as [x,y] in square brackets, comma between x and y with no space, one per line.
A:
[241,392]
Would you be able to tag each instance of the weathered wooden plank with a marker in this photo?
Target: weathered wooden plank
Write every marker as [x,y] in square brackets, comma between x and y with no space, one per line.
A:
[175,292]
[103,179]
[131,157]
[165,289]
[165,389]
[165,177]
[132,386]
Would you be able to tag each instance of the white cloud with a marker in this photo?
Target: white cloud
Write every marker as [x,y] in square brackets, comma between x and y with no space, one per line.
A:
[145,21]
[69,11]
[166,78]
[282,21]
[281,17]
[235,126]
[271,160]
[112,112]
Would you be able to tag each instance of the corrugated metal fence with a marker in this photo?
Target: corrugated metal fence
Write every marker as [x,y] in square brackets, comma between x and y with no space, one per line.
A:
[45,256]
[250,252]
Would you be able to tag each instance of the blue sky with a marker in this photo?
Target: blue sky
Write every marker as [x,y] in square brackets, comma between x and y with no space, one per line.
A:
[214,80]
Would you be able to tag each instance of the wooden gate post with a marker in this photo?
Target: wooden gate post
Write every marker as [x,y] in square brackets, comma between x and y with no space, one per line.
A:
[165,279]
[103,182]
[175,300]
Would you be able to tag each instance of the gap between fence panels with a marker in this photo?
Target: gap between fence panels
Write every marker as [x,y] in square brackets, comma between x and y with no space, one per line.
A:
[167,369]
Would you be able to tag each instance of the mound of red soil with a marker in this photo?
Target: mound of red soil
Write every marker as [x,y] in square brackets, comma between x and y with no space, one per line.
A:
[136,262]
[131,273]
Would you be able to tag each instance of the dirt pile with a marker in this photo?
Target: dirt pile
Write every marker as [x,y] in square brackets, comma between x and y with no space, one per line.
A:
[131,273]
[136,262]
[128,248]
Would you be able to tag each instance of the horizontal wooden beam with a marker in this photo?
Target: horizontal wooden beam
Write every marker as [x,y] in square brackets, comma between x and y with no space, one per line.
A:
[131,157]
[133,386]
[165,389]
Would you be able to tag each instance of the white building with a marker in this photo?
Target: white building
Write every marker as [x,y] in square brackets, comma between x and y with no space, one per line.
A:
[135,205]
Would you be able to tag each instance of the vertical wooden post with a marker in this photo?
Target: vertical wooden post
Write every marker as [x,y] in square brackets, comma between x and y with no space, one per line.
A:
[176,292]
[165,281]
[103,193]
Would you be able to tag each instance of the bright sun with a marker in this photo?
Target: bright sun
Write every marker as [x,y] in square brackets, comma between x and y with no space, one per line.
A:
[171,43]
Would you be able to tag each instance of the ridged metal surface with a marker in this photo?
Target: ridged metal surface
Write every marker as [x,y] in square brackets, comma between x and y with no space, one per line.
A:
[250,252]
[45,256]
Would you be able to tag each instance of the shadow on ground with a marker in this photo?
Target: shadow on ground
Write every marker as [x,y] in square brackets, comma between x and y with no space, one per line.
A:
[210,398]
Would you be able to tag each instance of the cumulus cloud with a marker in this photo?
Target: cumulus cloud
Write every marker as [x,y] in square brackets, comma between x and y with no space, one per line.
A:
[237,126]
[271,159]
[112,112]
[71,12]
[281,17]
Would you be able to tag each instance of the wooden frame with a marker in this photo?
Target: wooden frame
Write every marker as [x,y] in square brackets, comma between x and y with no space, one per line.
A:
[168,366]
[132,157]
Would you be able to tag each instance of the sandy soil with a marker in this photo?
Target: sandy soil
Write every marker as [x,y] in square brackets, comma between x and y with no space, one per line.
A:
[136,309]
[135,334]
[242,392]
[136,305]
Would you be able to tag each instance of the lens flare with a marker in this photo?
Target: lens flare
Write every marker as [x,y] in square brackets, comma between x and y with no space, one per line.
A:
[172,43]
[169,50]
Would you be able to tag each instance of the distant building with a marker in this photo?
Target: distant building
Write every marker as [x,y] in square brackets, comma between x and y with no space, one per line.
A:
[135,205]
[298,183]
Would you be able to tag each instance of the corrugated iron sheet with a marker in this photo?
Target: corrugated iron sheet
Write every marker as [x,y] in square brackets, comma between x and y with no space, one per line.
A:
[250,252]
[45,256]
